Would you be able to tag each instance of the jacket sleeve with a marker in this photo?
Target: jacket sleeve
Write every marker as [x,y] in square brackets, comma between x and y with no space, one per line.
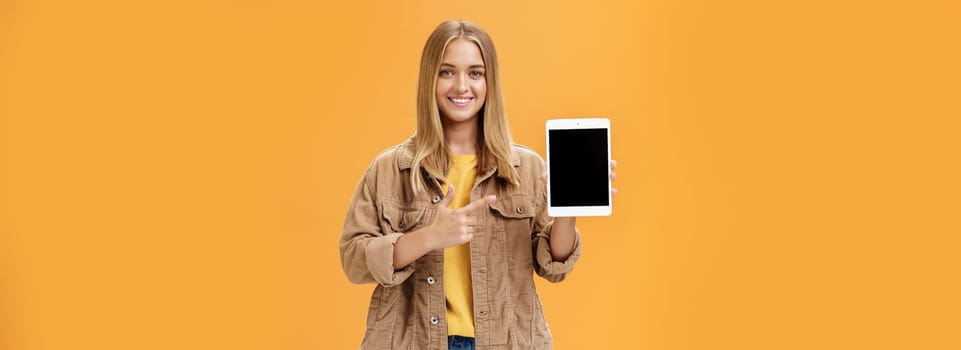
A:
[366,252]
[544,264]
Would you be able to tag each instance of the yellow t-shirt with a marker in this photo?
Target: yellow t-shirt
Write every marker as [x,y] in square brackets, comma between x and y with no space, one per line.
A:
[457,280]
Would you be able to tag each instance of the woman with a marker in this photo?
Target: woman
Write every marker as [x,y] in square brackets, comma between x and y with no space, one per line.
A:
[451,223]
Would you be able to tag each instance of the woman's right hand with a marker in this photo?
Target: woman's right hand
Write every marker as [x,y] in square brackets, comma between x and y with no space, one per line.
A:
[453,227]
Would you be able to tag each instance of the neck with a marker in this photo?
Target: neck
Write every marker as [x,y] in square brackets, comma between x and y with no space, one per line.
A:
[461,138]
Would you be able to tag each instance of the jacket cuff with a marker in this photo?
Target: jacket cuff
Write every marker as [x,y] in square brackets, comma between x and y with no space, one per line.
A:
[555,271]
[380,261]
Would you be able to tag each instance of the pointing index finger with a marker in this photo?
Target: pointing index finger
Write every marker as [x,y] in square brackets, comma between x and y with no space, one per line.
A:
[479,203]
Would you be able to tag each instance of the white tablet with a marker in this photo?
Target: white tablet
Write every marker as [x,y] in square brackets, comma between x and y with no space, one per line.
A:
[578,166]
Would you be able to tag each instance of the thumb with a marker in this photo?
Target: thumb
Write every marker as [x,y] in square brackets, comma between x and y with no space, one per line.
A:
[448,198]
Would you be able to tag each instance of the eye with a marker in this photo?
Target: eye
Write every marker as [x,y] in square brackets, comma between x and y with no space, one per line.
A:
[446,72]
[476,74]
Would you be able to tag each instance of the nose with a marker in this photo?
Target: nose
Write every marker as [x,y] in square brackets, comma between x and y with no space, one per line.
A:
[462,84]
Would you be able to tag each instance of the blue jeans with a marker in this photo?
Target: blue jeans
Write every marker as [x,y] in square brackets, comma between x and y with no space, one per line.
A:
[456,342]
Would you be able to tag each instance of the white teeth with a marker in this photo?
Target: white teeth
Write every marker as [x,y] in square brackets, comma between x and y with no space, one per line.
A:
[460,100]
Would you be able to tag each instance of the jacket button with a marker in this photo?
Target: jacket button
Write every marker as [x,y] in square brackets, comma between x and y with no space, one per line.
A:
[434,320]
[430,280]
[436,199]
[520,210]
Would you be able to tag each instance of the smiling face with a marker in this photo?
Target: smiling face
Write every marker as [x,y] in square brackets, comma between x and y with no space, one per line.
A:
[461,83]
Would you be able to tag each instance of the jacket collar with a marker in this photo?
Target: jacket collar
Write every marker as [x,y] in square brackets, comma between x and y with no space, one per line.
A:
[406,156]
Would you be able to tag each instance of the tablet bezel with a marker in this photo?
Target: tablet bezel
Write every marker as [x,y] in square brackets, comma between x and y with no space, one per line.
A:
[579,123]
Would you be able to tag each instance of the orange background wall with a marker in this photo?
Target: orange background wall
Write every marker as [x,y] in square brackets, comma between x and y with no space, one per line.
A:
[175,173]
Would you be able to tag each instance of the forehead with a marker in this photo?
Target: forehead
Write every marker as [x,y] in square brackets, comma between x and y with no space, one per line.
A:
[462,51]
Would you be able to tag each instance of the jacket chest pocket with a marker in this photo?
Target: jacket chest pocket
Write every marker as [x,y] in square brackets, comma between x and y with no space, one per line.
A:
[400,218]
[514,209]
[514,214]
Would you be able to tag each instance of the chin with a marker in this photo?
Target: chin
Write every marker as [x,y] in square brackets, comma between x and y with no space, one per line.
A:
[460,117]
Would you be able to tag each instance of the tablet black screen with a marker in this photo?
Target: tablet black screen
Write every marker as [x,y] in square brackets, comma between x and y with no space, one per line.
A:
[579,167]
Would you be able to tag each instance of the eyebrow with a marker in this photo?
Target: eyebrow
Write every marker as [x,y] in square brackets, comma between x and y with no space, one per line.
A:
[471,67]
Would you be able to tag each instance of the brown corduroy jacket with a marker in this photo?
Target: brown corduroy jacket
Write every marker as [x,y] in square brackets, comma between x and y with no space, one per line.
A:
[407,309]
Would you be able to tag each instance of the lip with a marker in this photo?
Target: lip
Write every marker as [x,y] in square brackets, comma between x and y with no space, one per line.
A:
[460,104]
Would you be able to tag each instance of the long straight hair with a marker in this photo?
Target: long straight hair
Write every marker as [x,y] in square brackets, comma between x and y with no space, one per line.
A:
[494,141]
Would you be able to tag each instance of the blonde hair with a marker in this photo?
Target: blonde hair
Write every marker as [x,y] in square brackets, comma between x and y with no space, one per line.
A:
[494,138]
